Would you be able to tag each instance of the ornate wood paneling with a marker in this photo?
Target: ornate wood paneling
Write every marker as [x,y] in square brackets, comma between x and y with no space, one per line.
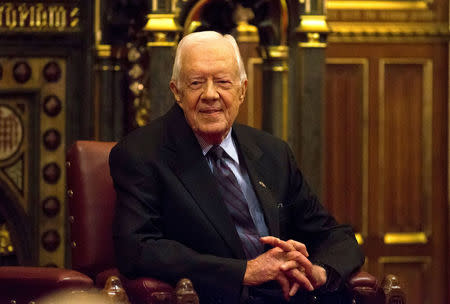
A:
[407,159]
[346,147]
[405,96]
[32,146]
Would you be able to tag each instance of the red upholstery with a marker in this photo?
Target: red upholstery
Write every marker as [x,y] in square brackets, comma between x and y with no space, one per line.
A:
[24,284]
[91,206]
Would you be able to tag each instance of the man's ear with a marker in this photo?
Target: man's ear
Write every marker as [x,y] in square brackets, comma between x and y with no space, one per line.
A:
[243,91]
[176,92]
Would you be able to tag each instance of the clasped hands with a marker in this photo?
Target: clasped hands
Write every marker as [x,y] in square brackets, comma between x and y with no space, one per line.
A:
[287,262]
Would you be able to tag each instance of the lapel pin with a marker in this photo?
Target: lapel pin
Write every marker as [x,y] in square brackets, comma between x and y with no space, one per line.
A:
[262,184]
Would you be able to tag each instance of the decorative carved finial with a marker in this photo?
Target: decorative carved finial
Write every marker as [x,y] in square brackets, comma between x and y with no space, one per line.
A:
[115,291]
[185,292]
[392,290]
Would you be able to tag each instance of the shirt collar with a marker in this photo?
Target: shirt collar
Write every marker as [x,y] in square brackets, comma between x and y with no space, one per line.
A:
[227,145]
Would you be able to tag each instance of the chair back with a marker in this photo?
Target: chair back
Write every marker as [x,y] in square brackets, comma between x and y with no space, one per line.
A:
[91,206]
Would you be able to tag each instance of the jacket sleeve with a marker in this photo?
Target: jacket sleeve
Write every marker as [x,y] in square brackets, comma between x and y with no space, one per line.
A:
[328,243]
[141,247]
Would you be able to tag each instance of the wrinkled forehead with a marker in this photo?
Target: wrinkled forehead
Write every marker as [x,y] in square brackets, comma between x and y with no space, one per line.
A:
[214,54]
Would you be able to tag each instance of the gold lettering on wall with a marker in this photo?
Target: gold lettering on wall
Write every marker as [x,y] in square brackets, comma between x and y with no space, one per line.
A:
[39,17]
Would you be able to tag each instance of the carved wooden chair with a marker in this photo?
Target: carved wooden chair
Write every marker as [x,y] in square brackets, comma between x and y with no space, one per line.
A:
[91,200]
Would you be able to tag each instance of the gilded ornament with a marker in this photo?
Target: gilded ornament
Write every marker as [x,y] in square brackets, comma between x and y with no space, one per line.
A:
[136,71]
[133,54]
[6,247]
[136,88]
[136,102]
[104,50]
[142,117]
[38,17]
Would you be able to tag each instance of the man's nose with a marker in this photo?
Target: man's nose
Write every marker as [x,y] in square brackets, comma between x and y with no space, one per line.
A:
[210,90]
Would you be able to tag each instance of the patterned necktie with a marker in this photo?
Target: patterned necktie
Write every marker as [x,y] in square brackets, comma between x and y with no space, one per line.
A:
[236,203]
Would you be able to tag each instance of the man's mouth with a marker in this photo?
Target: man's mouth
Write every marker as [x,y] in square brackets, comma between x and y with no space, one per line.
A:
[210,111]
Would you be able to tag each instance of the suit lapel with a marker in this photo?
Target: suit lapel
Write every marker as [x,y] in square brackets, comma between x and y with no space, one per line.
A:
[185,157]
[259,175]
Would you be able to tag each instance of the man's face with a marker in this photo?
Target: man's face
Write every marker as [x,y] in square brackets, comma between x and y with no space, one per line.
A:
[209,89]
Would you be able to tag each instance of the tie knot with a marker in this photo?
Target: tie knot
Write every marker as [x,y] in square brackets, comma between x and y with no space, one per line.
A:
[216,152]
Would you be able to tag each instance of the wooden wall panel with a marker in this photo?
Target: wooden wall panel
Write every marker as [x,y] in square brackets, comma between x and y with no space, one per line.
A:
[404,97]
[407,158]
[346,141]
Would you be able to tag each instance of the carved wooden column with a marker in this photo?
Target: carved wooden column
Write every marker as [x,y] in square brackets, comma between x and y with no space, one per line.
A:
[109,94]
[163,31]
[275,90]
[109,74]
[308,51]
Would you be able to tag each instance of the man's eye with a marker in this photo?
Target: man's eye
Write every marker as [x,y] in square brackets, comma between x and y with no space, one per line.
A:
[195,84]
[224,83]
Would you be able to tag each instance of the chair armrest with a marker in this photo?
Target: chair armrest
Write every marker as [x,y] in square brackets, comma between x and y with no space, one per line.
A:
[140,290]
[25,284]
[365,289]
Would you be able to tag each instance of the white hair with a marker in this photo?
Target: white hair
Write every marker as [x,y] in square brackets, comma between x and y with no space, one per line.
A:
[206,37]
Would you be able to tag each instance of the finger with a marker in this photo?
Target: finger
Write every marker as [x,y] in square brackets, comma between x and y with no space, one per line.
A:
[294,288]
[301,279]
[299,247]
[276,242]
[292,264]
[270,240]
[301,260]
[284,284]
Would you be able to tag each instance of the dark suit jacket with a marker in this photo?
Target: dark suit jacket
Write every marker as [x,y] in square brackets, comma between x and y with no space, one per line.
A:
[171,221]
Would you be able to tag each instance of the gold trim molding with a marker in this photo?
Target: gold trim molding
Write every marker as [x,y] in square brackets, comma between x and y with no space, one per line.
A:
[246,32]
[389,29]
[161,23]
[310,29]
[313,23]
[361,32]
[275,51]
[38,17]
[378,5]
[405,238]
[313,41]
[103,50]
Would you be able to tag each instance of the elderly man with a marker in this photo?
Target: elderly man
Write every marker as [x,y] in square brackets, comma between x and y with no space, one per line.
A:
[223,204]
